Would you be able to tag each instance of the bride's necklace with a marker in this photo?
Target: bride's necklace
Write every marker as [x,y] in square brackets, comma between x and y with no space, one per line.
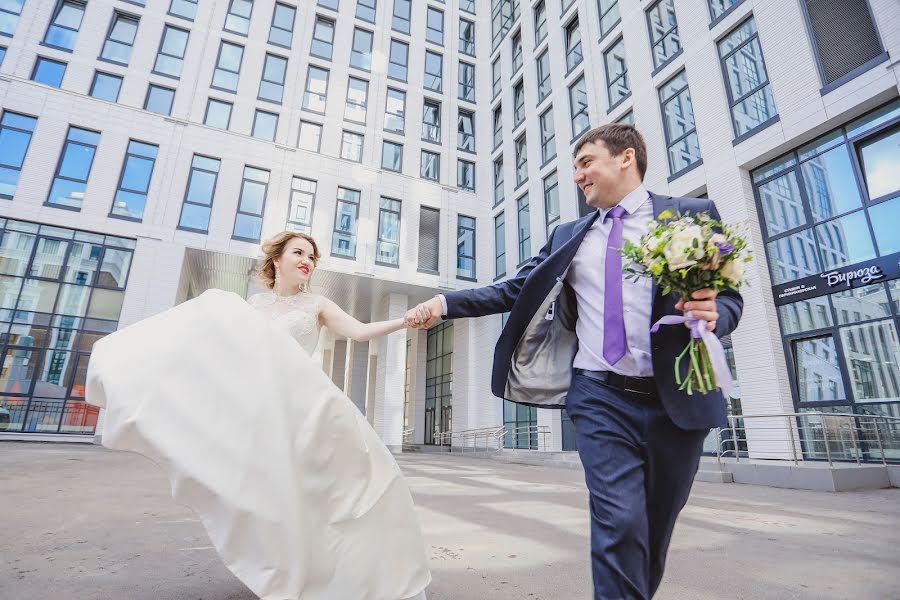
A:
[292,298]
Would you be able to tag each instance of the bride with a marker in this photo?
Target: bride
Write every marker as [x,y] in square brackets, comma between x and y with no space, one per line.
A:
[298,494]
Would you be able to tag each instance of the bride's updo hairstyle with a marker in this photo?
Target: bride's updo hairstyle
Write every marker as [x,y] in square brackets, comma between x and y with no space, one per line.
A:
[274,248]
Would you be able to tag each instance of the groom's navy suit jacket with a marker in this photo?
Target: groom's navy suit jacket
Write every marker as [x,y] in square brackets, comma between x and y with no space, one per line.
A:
[534,355]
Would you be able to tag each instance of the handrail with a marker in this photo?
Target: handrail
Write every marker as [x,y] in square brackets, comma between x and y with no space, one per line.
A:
[493,438]
[815,435]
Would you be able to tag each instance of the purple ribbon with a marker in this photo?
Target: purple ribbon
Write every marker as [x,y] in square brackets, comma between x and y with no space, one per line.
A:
[713,347]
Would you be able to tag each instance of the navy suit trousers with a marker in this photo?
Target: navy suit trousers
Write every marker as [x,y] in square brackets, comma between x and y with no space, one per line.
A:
[639,468]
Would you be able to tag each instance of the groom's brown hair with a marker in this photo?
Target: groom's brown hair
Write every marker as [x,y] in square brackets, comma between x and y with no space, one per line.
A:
[618,137]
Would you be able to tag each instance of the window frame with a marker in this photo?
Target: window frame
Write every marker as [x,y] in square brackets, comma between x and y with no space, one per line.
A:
[262,210]
[187,187]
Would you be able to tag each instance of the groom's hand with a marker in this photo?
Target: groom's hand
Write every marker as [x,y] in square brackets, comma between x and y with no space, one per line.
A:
[702,305]
[425,314]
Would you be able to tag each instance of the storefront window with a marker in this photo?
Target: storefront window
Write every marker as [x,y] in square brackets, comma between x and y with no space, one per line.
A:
[817,370]
[885,217]
[51,313]
[871,352]
[829,212]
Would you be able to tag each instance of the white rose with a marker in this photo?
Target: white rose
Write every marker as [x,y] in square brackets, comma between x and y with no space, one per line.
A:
[680,248]
[733,271]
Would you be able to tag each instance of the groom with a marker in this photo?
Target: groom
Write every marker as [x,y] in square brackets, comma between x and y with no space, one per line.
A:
[579,336]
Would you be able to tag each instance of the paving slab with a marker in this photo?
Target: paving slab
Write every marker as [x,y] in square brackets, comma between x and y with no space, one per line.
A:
[80,522]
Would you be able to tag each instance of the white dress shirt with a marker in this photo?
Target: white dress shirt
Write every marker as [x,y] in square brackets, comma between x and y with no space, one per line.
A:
[586,276]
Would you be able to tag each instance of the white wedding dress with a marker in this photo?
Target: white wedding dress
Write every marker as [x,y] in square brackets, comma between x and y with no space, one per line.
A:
[298,494]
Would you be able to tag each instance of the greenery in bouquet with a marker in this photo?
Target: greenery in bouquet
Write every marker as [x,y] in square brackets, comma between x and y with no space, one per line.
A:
[683,254]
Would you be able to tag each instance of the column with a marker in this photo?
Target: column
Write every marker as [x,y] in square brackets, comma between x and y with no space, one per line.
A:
[390,374]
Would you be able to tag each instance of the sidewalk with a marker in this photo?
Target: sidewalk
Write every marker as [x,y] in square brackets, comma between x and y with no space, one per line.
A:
[84,523]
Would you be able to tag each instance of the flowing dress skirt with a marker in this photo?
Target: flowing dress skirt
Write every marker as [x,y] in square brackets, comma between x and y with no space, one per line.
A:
[299,496]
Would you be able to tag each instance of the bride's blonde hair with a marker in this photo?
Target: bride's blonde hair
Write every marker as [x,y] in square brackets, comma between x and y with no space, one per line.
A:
[274,247]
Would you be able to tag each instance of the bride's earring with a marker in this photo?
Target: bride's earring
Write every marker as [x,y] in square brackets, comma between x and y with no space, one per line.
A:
[277,279]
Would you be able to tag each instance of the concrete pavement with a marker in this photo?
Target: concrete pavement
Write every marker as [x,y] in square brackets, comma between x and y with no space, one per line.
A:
[84,523]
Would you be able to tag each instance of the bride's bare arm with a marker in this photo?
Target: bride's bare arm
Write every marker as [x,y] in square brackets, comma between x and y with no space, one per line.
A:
[335,319]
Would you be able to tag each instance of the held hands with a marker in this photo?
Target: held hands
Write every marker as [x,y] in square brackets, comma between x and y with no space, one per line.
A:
[425,314]
[702,305]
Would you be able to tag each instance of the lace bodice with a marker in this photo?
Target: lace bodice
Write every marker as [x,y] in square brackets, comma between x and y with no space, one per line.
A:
[298,315]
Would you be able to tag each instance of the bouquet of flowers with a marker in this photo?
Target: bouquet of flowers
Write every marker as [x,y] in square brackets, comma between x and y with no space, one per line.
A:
[683,254]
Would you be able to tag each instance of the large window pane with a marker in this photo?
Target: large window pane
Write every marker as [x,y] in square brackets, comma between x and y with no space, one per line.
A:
[880,160]
[316,90]
[15,137]
[616,73]
[885,218]
[872,360]
[845,241]
[49,72]
[793,257]
[805,315]
[817,370]
[861,304]
[782,204]
[830,184]
[65,24]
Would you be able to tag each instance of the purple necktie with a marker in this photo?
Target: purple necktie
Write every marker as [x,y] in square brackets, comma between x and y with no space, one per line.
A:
[613,317]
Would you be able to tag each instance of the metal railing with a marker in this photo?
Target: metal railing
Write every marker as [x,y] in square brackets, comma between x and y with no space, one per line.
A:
[832,437]
[407,434]
[533,437]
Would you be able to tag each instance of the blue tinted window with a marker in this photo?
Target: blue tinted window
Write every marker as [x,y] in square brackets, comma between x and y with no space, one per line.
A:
[159,99]
[264,125]
[218,114]
[48,72]
[2,54]
[65,24]
[131,197]
[282,31]
[198,197]
[74,168]
[106,86]
[186,9]
[15,136]
[248,222]
[120,39]
[170,57]
[885,217]
[9,16]
[238,19]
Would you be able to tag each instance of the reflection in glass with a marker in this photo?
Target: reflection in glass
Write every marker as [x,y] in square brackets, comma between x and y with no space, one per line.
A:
[885,218]
[678,120]
[805,315]
[17,371]
[54,370]
[861,304]
[616,73]
[15,250]
[388,250]
[894,288]
[73,300]
[49,72]
[793,257]
[817,370]
[875,118]
[872,353]
[750,93]
[845,241]
[344,241]
[115,268]
[782,204]
[106,304]
[830,184]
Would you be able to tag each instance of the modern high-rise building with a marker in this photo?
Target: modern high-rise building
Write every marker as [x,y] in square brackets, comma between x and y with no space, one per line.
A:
[148,146]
